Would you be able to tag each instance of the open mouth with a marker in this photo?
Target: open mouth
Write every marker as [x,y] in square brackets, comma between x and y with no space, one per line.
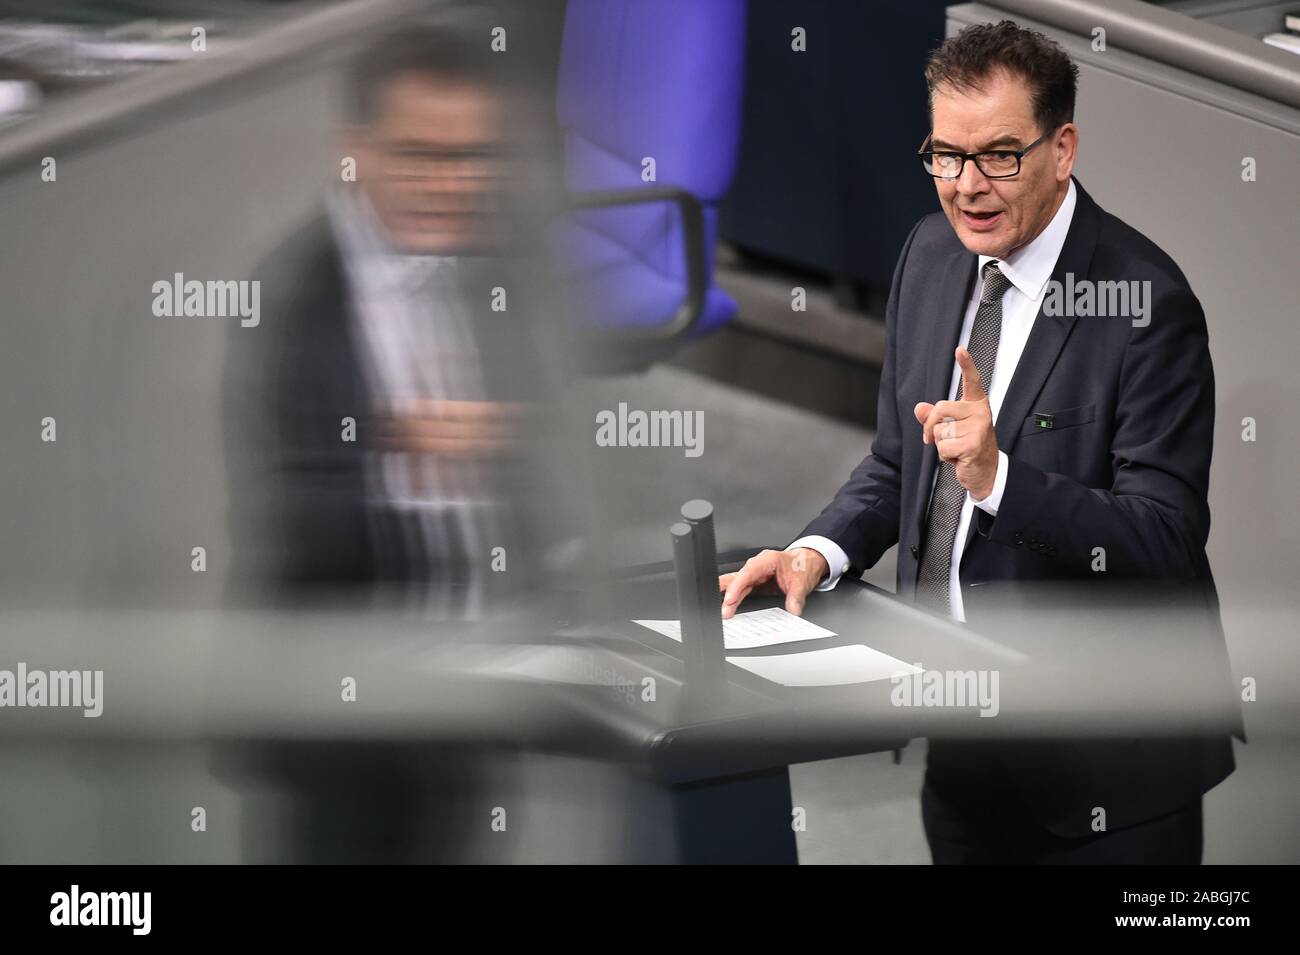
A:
[981,221]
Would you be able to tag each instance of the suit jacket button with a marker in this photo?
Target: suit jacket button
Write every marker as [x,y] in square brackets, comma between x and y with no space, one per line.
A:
[915,550]
[1018,537]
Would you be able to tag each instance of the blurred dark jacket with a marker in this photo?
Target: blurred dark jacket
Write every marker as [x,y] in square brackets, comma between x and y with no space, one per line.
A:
[298,516]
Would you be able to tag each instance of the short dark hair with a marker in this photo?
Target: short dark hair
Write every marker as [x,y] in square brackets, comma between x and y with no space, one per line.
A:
[443,53]
[966,60]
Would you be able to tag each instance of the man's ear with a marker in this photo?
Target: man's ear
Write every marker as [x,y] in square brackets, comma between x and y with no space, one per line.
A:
[1067,145]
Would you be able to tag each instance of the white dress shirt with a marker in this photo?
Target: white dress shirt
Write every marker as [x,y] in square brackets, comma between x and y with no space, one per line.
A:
[1028,269]
[417,344]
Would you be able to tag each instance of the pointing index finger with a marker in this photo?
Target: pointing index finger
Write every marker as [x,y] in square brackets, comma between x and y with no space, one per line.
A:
[972,389]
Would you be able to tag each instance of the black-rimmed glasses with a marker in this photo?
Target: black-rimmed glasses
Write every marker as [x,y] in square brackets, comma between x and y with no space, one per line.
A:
[994,164]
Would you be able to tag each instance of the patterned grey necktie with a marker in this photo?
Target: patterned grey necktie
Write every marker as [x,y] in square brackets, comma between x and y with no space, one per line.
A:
[949,495]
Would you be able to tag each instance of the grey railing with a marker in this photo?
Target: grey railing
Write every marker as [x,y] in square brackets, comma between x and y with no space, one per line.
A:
[1208,50]
[284,47]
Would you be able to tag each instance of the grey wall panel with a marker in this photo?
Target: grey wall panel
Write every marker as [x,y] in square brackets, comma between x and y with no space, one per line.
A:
[110,512]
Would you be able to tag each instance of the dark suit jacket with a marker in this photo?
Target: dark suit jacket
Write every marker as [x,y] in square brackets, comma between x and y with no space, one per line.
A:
[297,515]
[1125,468]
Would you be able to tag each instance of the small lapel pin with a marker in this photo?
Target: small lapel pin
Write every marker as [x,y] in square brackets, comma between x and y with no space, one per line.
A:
[1044,420]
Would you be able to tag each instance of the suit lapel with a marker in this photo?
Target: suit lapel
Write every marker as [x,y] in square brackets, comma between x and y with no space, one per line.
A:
[1049,333]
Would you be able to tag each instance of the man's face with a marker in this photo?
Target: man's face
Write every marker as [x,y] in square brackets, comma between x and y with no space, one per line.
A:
[995,217]
[429,163]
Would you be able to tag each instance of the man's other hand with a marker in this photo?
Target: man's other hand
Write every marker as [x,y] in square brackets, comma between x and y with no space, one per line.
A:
[452,429]
[794,573]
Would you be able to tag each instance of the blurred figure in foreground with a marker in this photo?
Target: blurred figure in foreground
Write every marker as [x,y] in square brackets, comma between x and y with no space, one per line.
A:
[382,422]
[392,394]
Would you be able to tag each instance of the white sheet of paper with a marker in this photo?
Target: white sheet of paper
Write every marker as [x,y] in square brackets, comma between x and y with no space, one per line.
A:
[836,666]
[757,628]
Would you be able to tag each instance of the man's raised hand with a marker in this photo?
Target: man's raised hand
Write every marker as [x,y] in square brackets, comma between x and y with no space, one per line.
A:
[963,431]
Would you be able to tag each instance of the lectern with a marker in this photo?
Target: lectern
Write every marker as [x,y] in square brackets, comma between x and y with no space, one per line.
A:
[745,817]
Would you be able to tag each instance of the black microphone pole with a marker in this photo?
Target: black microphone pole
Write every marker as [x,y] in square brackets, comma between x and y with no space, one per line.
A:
[695,555]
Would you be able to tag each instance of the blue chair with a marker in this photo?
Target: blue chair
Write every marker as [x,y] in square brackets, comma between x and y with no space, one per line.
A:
[642,81]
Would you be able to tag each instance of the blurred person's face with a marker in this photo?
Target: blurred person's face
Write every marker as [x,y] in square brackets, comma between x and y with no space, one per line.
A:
[995,217]
[429,163]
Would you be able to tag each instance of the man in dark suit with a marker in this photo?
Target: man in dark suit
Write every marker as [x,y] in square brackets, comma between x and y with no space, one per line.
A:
[379,422]
[1019,441]
[380,312]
